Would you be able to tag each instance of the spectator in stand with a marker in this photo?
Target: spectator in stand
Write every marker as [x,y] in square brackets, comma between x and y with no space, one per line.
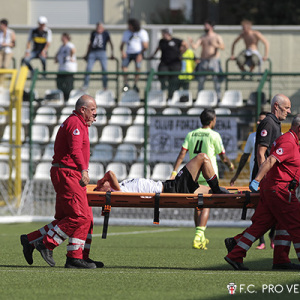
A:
[187,65]
[97,51]
[250,56]
[7,42]
[40,38]
[67,63]
[170,60]
[137,42]
[211,43]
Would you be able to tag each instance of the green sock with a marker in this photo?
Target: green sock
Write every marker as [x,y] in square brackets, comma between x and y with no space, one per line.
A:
[200,230]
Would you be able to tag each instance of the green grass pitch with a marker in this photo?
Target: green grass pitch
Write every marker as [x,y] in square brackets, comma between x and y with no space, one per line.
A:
[143,263]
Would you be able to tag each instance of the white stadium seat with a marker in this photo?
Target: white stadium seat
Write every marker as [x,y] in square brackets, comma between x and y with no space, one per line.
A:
[45,115]
[42,171]
[172,111]
[140,115]
[121,116]
[102,153]
[130,98]
[40,134]
[126,153]
[157,99]
[137,171]
[162,171]
[134,134]
[111,134]
[119,169]
[181,98]
[96,171]
[206,98]
[232,99]
[105,98]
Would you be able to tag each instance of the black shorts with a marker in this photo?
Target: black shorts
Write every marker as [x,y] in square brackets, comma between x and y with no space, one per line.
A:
[183,183]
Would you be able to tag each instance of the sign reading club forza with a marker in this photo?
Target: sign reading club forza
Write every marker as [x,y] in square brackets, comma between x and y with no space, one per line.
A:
[167,134]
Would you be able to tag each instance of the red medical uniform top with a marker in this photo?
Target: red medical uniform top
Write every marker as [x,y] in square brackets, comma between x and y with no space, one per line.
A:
[72,144]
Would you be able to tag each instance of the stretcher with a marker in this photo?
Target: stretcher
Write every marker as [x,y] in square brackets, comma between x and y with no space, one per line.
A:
[239,197]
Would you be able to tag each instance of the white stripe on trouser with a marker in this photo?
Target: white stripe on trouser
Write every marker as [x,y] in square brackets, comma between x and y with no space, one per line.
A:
[42,231]
[50,226]
[249,237]
[282,243]
[243,245]
[50,233]
[60,232]
[89,236]
[281,232]
[57,239]
[74,247]
[76,241]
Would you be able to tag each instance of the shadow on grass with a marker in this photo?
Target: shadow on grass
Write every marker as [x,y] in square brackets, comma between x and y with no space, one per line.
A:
[264,265]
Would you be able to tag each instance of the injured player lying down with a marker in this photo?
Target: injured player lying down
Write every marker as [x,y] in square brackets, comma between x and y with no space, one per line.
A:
[184,182]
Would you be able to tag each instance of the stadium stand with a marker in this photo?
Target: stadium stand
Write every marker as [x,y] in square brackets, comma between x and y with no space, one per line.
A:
[232,99]
[105,98]
[135,135]
[119,169]
[130,98]
[137,171]
[206,98]
[102,153]
[162,171]
[46,115]
[126,153]
[181,98]
[111,134]
[121,116]
[157,99]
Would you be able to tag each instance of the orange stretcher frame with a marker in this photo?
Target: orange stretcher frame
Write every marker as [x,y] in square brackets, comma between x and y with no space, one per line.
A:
[236,199]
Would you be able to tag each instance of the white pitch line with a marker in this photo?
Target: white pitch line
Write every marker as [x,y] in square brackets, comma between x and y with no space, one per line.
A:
[138,232]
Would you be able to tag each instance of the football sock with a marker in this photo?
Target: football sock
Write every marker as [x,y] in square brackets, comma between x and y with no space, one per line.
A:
[200,230]
[213,182]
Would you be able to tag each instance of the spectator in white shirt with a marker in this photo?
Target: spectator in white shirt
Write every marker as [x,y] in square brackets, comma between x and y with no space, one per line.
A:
[67,63]
[137,42]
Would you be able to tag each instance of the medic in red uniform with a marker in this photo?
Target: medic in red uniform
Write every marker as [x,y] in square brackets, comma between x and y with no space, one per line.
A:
[278,203]
[69,176]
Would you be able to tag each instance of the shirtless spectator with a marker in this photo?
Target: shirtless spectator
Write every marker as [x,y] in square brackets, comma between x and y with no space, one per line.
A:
[211,43]
[250,56]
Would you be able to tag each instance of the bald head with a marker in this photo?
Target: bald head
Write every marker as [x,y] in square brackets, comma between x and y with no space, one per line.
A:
[281,106]
[84,100]
[86,107]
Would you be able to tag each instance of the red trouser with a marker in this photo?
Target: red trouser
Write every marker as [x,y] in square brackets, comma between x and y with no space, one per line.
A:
[74,218]
[277,205]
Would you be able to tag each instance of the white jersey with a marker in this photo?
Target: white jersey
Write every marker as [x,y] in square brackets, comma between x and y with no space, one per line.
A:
[141,185]
[6,39]
[134,40]
[250,148]
[64,58]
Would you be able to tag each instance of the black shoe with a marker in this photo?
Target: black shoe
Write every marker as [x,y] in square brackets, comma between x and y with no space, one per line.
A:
[230,243]
[47,254]
[76,263]
[136,88]
[236,265]
[27,249]
[286,266]
[99,264]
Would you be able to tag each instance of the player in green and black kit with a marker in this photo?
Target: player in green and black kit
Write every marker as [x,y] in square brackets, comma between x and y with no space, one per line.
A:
[203,140]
